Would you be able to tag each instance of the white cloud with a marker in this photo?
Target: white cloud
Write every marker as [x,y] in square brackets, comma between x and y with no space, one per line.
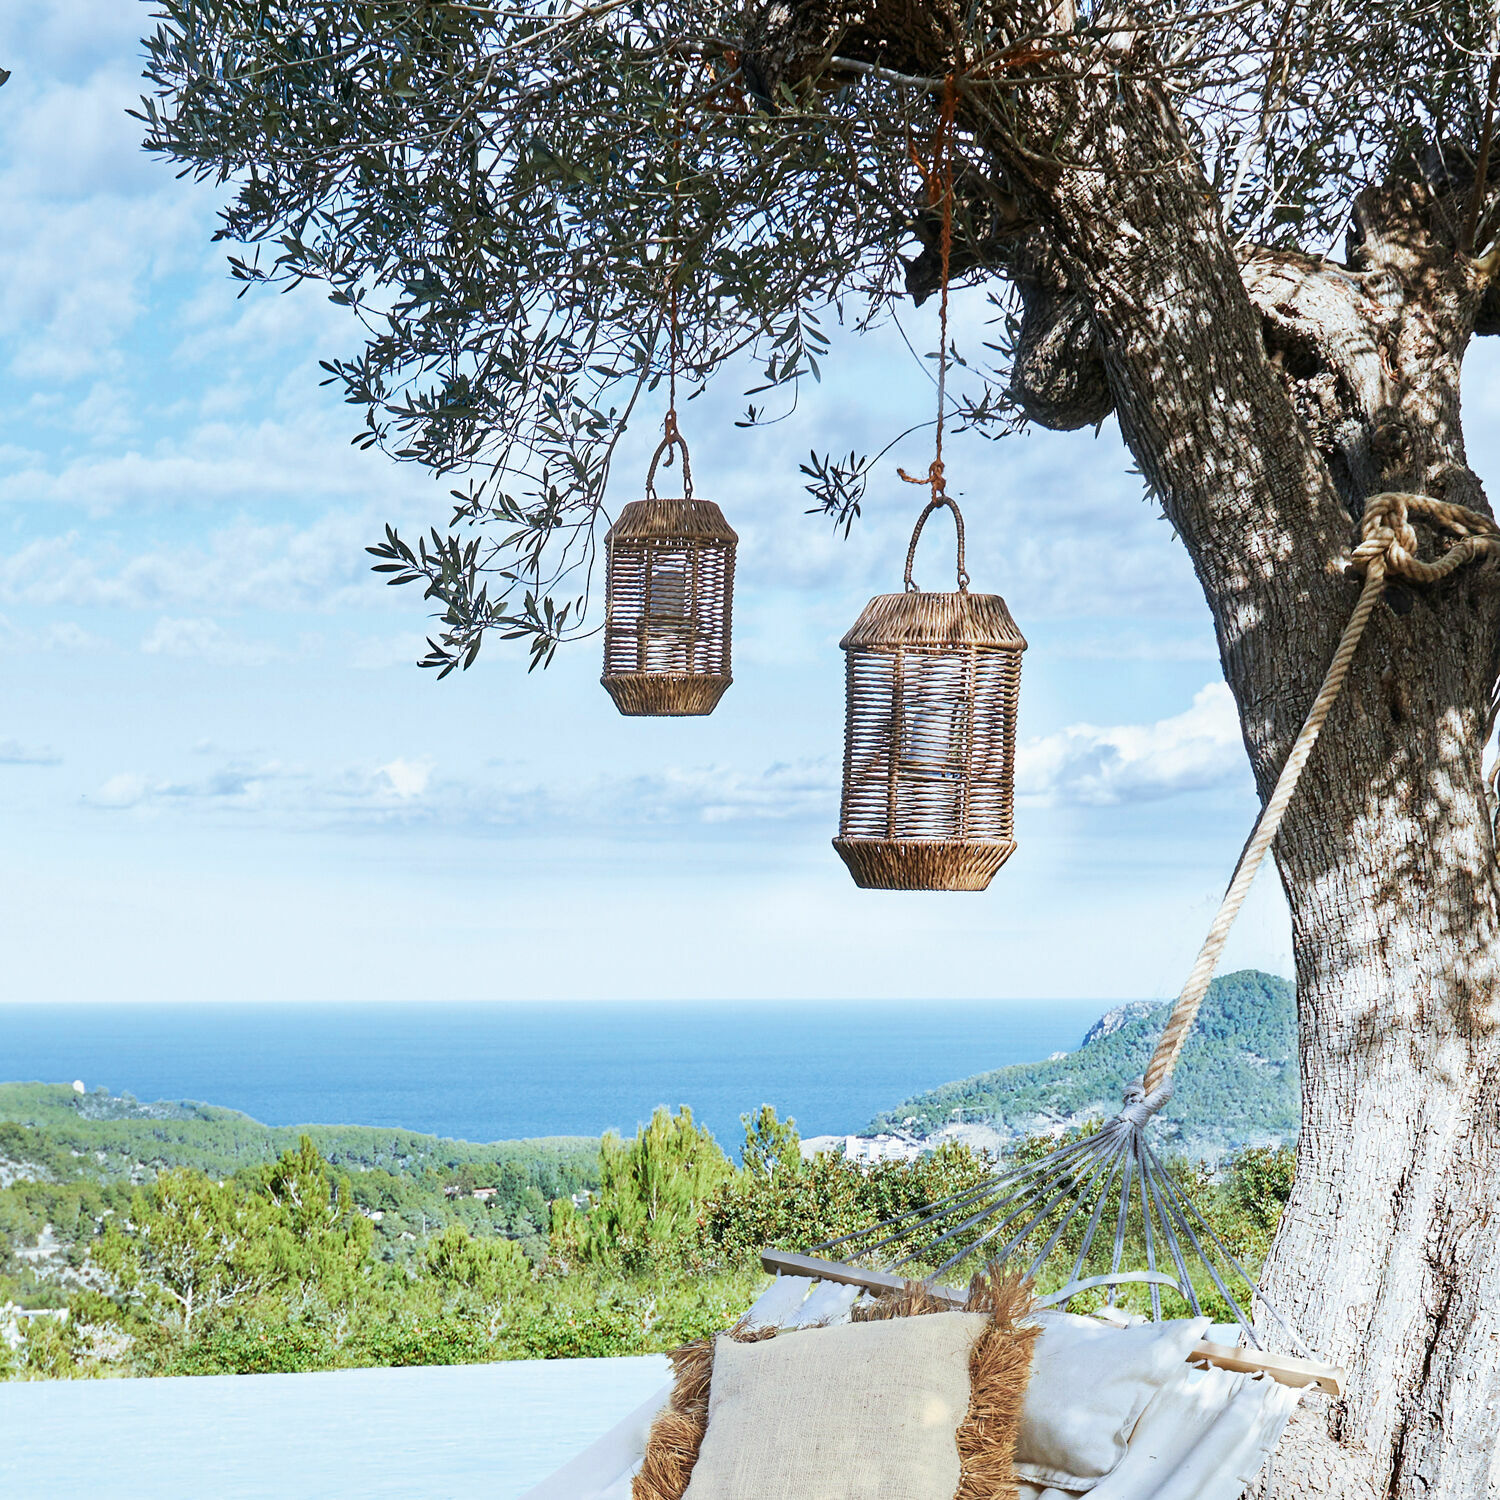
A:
[1101,767]
[302,459]
[63,636]
[206,640]
[92,223]
[241,566]
[14,753]
[78,278]
[785,791]
[1085,765]
[406,779]
[123,790]
[406,790]
[233,786]
[68,36]
[73,139]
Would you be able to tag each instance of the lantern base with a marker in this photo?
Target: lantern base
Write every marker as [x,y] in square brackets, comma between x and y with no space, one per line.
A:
[667,695]
[923,864]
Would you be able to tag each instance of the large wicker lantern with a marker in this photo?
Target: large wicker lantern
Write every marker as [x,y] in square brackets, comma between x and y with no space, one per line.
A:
[669,589]
[930,736]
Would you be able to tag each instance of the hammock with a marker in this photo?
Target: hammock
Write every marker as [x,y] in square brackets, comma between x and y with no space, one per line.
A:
[1202,1437]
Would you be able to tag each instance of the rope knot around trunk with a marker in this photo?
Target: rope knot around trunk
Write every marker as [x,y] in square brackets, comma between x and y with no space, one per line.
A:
[1389,541]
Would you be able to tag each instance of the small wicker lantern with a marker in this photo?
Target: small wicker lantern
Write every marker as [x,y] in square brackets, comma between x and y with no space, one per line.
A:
[930,736]
[669,589]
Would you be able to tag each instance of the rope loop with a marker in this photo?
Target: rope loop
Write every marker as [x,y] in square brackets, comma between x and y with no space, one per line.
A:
[940,499]
[1139,1106]
[1390,543]
[672,438]
[1388,547]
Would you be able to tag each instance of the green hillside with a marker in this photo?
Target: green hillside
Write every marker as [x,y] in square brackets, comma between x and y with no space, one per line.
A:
[126,1138]
[1236,1082]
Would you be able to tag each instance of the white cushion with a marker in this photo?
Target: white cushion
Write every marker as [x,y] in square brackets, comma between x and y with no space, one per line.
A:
[778,1304]
[863,1411]
[1089,1385]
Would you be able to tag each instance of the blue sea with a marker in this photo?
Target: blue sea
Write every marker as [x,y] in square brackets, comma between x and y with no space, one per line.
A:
[485,1072]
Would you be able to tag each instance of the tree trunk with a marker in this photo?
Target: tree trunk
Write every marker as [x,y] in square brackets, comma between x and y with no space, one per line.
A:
[1387,1260]
[1387,1256]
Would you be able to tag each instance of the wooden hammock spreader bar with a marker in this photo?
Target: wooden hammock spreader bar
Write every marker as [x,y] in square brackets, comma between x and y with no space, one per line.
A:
[1282,1368]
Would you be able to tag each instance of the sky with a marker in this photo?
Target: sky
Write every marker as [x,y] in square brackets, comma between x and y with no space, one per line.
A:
[223,777]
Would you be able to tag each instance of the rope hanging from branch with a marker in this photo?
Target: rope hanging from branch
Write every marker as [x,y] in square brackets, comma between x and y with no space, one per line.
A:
[939,181]
[671,434]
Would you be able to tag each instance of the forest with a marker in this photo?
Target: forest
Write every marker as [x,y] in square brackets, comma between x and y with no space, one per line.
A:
[534,1251]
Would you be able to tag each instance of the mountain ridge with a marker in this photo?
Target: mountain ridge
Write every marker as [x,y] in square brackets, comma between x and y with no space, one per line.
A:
[123,1135]
[1236,1083]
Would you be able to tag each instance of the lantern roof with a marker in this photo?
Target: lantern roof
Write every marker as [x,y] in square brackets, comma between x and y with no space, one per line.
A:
[659,520]
[921,619]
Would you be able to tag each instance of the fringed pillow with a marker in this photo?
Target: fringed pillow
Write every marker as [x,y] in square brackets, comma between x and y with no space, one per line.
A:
[855,1412]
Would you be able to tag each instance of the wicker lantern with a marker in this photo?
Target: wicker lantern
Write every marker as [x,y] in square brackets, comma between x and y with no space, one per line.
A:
[669,588]
[930,736]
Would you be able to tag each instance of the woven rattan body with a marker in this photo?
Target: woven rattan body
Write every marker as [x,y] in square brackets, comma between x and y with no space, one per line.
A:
[929,743]
[668,596]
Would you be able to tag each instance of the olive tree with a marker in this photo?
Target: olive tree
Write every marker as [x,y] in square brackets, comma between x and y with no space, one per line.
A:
[1260,235]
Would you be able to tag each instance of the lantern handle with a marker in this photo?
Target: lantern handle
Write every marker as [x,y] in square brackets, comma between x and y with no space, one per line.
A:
[938,500]
[672,439]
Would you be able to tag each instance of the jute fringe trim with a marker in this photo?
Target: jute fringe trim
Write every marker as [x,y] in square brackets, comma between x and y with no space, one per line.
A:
[999,1370]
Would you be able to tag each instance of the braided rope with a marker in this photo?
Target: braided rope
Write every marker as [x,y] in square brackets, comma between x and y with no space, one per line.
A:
[1388,549]
[938,503]
[672,439]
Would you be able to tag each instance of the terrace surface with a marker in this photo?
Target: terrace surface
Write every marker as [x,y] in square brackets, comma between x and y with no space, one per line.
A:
[430,1433]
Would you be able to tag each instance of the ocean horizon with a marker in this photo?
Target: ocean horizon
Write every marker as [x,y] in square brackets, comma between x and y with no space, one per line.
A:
[482,1071]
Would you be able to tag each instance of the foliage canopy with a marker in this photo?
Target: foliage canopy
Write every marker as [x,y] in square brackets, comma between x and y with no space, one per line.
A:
[503,197]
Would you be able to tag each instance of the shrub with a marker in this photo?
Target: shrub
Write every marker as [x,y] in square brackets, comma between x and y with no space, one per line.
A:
[801,1203]
[488,1268]
[649,1192]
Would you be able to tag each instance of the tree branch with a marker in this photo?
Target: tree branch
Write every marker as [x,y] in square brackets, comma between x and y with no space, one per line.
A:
[1482,168]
